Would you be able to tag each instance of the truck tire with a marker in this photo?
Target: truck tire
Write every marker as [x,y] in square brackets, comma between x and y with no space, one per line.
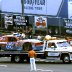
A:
[66,59]
[17,59]
[27,59]
[0,47]
[12,59]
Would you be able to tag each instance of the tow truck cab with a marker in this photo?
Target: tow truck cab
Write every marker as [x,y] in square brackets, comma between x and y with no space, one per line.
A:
[57,50]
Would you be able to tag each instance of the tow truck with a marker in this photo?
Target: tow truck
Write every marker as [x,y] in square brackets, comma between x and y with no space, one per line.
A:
[57,49]
[48,49]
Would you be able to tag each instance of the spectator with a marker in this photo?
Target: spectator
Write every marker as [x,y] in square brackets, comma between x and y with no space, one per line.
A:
[32,56]
[23,35]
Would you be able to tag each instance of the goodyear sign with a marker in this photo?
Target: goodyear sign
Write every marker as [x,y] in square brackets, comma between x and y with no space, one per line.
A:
[43,7]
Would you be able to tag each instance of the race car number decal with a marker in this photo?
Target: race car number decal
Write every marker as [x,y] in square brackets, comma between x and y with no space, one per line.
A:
[9,45]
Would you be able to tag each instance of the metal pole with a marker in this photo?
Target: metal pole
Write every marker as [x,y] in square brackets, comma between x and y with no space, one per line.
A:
[1,13]
[22,2]
[60,25]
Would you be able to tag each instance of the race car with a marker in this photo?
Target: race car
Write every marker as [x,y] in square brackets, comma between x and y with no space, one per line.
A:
[9,42]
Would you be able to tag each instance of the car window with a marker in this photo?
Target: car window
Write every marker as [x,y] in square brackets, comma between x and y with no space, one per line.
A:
[12,39]
[26,46]
[3,38]
[38,46]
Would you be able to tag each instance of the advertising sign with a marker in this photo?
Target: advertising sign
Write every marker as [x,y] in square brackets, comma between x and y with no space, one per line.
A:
[19,20]
[8,19]
[43,7]
[70,9]
[68,26]
[40,22]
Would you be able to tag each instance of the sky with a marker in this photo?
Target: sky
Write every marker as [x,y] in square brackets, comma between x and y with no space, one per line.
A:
[11,5]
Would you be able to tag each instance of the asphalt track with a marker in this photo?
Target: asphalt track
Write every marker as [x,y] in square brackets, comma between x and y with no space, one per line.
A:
[7,66]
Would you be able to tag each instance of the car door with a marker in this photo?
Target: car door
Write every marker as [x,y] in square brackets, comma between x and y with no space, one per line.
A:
[51,52]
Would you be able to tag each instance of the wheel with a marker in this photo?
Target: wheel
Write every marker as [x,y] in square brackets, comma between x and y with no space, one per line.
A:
[27,59]
[66,59]
[12,59]
[0,47]
[17,58]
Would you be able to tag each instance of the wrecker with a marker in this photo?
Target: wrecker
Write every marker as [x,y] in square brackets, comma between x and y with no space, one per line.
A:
[49,49]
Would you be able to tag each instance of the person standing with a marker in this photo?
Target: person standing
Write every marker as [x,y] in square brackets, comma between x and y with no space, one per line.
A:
[32,55]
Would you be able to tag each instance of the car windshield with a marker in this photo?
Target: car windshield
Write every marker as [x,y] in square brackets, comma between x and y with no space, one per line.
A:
[63,44]
[17,34]
[38,46]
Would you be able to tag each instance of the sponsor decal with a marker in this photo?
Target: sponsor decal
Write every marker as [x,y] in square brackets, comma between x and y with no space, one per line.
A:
[53,54]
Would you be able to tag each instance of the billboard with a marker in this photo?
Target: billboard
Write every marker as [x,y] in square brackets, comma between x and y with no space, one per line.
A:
[43,7]
[19,20]
[68,26]
[8,19]
[40,22]
[70,9]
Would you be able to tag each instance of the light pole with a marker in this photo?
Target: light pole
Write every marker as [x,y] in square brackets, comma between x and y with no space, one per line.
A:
[0,14]
[22,3]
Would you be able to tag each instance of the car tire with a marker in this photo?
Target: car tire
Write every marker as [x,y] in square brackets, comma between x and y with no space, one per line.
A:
[17,59]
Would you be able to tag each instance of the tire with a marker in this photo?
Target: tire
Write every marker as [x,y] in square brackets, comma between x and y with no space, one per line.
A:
[0,47]
[66,59]
[27,59]
[17,59]
[12,59]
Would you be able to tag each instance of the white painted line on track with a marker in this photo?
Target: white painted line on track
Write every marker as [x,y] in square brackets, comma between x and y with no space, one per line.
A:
[45,70]
[3,65]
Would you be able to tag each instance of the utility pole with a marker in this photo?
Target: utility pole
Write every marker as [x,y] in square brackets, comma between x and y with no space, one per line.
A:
[0,14]
[22,2]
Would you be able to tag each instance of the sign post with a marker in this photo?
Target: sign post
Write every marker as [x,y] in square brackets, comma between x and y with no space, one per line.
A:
[22,2]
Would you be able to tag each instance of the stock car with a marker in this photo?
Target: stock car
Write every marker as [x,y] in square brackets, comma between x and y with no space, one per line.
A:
[9,42]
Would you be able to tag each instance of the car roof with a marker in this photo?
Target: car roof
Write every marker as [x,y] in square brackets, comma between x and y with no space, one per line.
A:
[8,36]
[32,40]
[62,40]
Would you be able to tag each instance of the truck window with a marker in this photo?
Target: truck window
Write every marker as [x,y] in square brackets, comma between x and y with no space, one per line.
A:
[63,44]
[51,45]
